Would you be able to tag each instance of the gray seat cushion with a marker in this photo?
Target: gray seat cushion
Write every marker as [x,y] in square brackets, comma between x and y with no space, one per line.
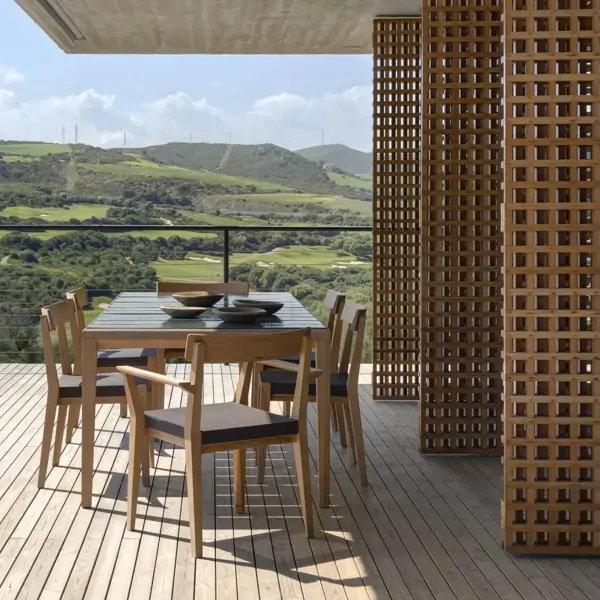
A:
[228,422]
[283,383]
[110,384]
[131,357]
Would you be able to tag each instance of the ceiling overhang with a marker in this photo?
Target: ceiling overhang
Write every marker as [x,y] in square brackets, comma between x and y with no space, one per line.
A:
[213,26]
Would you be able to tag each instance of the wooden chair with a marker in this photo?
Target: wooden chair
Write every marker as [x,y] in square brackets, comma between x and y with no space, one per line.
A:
[172,287]
[224,426]
[65,390]
[108,360]
[334,302]
[277,385]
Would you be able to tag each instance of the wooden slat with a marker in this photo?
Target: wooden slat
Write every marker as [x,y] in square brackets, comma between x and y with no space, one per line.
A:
[396,198]
[461,240]
[552,278]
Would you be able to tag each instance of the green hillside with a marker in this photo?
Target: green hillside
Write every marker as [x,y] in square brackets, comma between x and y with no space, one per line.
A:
[346,159]
[264,162]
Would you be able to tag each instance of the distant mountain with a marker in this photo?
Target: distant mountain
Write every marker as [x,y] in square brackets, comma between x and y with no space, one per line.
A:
[347,159]
[265,162]
[179,169]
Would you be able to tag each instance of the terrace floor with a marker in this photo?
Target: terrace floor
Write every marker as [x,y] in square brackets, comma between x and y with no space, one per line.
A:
[426,528]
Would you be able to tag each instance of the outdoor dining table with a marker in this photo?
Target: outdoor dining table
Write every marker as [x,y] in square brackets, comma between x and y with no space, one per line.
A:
[135,320]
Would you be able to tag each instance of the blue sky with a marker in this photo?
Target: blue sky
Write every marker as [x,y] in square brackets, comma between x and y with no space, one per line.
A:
[285,100]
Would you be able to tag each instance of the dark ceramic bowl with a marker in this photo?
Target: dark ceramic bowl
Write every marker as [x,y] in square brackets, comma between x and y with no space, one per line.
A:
[268,306]
[183,312]
[239,314]
[205,299]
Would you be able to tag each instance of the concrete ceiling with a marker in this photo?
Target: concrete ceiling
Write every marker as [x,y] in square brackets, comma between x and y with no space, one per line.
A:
[213,26]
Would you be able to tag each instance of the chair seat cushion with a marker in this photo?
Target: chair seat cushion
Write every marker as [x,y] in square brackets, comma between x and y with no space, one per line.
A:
[130,357]
[283,383]
[227,422]
[108,385]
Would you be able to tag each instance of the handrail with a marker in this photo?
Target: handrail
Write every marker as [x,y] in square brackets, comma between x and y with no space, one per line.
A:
[219,228]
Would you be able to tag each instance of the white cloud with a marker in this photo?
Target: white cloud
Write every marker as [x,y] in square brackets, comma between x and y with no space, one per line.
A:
[289,120]
[296,121]
[10,75]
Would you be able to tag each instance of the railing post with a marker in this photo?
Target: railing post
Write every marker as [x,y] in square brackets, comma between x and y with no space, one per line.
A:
[226,255]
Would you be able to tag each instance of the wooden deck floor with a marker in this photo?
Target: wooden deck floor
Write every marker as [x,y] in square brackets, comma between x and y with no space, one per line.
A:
[427,528]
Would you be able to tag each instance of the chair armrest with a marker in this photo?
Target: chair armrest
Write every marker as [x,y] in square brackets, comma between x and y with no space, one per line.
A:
[288,366]
[182,384]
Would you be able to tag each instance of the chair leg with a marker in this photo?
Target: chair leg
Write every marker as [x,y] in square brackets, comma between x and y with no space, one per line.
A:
[239,480]
[193,472]
[334,419]
[303,474]
[149,397]
[261,451]
[51,406]
[147,459]
[341,418]
[287,409]
[123,410]
[136,451]
[354,406]
[72,421]
[58,436]
[346,409]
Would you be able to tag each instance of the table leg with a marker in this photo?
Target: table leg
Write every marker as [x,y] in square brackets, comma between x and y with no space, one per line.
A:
[89,371]
[159,388]
[323,417]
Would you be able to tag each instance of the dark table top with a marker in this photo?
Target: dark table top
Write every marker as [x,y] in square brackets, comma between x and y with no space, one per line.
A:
[140,311]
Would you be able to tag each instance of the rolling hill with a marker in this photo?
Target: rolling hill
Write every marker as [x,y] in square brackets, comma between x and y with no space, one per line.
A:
[346,159]
[264,162]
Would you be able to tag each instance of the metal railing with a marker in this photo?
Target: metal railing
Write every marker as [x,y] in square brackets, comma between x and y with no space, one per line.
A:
[173,229]
[30,286]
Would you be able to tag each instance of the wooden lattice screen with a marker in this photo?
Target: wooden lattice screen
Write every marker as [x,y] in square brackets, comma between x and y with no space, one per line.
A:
[552,279]
[461,240]
[396,198]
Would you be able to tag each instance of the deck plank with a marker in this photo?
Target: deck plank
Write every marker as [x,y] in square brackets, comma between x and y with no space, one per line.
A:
[427,528]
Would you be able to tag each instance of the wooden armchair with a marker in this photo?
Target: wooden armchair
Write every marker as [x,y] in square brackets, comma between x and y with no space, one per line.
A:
[278,385]
[231,287]
[202,429]
[108,360]
[65,390]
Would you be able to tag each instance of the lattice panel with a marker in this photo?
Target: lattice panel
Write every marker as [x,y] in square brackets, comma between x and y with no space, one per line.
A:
[552,279]
[396,198]
[461,244]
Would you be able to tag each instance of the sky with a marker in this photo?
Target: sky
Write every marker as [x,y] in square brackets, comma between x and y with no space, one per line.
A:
[284,100]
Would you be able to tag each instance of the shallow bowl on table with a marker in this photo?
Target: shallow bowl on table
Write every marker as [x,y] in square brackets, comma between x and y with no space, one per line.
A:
[269,306]
[239,314]
[197,299]
[183,312]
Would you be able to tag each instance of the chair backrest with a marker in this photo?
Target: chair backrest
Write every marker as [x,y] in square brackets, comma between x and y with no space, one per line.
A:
[353,319]
[232,287]
[78,298]
[56,318]
[334,301]
[202,349]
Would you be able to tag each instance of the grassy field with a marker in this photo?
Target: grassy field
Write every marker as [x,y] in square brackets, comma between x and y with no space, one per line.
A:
[329,202]
[34,149]
[144,168]
[350,181]
[75,211]
[202,267]
[17,158]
